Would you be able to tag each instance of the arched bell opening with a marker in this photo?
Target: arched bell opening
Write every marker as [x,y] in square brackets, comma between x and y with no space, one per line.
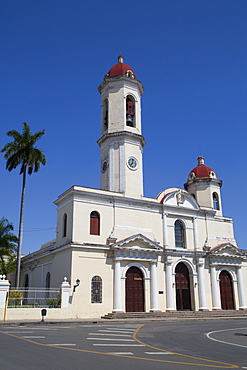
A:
[130,111]
[134,290]
[105,114]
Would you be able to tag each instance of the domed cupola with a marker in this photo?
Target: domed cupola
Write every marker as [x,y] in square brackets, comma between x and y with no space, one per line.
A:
[204,185]
[121,69]
[201,170]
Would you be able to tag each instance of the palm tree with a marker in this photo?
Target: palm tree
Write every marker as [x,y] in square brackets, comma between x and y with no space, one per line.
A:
[21,151]
[8,247]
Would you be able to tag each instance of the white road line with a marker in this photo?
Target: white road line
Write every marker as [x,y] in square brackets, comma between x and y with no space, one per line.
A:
[32,336]
[120,353]
[118,345]
[159,353]
[114,331]
[222,341]
[91,326]
[116,328]
[51,329]
[62,344]
[113,335]
[117,339]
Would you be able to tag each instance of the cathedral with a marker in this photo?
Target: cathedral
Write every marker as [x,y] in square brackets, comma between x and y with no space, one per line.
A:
[123,252]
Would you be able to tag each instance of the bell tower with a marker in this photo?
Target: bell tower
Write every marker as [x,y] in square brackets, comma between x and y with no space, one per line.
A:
[121,139]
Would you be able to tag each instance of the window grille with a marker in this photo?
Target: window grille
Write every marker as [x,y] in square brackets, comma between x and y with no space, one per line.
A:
[96,290]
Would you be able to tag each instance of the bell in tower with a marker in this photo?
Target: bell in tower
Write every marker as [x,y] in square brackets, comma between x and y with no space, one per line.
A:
[130,112]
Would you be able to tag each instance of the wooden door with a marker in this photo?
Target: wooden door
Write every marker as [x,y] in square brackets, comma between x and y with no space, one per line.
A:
[134,292]
[226,291]
[183,300]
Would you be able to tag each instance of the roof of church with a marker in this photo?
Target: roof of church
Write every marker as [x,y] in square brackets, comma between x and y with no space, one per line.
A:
[201,170]
[120,68]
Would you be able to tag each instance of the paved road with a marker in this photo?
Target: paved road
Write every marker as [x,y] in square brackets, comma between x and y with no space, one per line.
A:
[210,344]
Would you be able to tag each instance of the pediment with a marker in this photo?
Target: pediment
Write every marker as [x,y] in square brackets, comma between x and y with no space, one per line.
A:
[228,250]
[138,242]
[177,198]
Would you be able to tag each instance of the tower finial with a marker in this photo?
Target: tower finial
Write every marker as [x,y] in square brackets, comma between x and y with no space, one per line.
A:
[200,160]
[120,59]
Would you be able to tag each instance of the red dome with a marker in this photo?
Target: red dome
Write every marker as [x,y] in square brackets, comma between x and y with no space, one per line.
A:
[120,69]
[202,170]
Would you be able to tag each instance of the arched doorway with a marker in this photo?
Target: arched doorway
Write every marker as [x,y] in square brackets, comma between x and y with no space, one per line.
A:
[182,279]
[226,291]
[134,290]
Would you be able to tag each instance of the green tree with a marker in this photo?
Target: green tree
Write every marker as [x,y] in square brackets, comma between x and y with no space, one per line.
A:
[8,248]
[21,151]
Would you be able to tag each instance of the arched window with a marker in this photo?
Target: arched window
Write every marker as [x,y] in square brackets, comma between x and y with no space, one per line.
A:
[96,289]
[105,114]
[130,111]
[26,281]
[216,201]
[64,225]
[26,285]
[48,280]
[94,223]
[179,234]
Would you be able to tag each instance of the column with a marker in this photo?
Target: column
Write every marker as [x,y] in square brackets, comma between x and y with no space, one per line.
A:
[196,247]
[111,167]
[117,306]
[153,288]
[242,304]
[4,292]
[201,287]
[65,293]
[170,293]
[121,167]
[215,289]
[165,236]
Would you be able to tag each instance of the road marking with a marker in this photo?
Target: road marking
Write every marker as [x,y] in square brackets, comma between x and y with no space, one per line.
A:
[159,353]
[42,328]
[19,332]
[222,341]
[62,344]
[120,353]
[220,363]
[118,345]
[124,329]
[31,337]
[115,339]
[113,331]
[113,335]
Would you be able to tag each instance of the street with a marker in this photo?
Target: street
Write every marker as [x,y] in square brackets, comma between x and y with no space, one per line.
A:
[163,345]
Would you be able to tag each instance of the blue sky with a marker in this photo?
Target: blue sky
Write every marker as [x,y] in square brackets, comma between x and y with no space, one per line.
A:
[191,57]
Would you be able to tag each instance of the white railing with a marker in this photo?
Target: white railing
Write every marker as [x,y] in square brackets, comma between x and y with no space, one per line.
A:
[34,297]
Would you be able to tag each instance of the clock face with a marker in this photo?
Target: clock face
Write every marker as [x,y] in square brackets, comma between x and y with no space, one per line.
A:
[132,163]
[104,166]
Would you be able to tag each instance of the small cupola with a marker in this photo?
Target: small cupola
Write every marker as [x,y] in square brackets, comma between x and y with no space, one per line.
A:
[204,185]
[121,69]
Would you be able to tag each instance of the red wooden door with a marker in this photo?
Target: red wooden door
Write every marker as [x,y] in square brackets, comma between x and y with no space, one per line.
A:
[226,291]
[134,291]
[182,280]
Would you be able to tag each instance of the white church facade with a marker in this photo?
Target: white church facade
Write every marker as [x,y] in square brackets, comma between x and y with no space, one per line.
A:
[125,252]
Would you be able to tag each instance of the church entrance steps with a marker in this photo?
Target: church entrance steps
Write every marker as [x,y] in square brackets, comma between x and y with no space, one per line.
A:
[176,314]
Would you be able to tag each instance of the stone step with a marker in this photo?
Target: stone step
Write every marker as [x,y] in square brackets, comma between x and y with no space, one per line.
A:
[175,314]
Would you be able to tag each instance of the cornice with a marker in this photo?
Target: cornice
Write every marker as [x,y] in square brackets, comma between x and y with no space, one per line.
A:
[132,135]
